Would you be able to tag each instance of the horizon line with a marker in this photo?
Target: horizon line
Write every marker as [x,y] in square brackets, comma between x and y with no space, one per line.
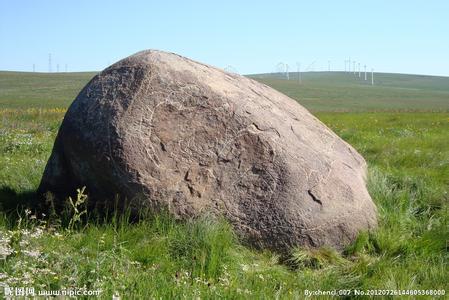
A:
[250,74]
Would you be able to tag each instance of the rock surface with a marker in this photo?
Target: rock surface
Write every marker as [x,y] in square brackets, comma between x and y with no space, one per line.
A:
[163,131]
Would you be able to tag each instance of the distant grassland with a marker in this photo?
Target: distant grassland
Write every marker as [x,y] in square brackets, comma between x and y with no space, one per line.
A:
[319,91]
[391,124]
[44,90]
[338,91]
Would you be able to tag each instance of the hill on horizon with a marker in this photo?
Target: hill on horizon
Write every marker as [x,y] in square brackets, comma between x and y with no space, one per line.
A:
[318,91]
[341,91]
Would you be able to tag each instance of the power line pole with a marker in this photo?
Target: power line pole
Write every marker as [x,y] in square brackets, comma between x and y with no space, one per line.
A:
[49,62]
[365,72]
[353,66]
[359,70]
[372,76]
[349,65]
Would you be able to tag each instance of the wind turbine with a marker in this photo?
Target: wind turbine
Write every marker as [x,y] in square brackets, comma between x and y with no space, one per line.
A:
[299,72]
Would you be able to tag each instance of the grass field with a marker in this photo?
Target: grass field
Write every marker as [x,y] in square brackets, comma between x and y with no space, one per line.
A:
[43,90]
[338,91]
[408,158]
[319,91]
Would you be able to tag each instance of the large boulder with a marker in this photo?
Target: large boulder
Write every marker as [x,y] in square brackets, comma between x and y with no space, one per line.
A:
[166,132]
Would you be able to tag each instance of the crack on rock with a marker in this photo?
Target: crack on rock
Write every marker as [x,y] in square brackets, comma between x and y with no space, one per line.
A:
[349,166]
[267,129]
[257,127]
[314,198]
[187,177]
[193,191]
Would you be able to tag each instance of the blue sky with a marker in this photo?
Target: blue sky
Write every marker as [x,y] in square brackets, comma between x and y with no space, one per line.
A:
[252,36]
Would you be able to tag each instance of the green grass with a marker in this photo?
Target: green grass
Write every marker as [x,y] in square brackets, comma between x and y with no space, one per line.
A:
[338,91]
[409,167]
[319,91]
[44,90]
[408,158]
